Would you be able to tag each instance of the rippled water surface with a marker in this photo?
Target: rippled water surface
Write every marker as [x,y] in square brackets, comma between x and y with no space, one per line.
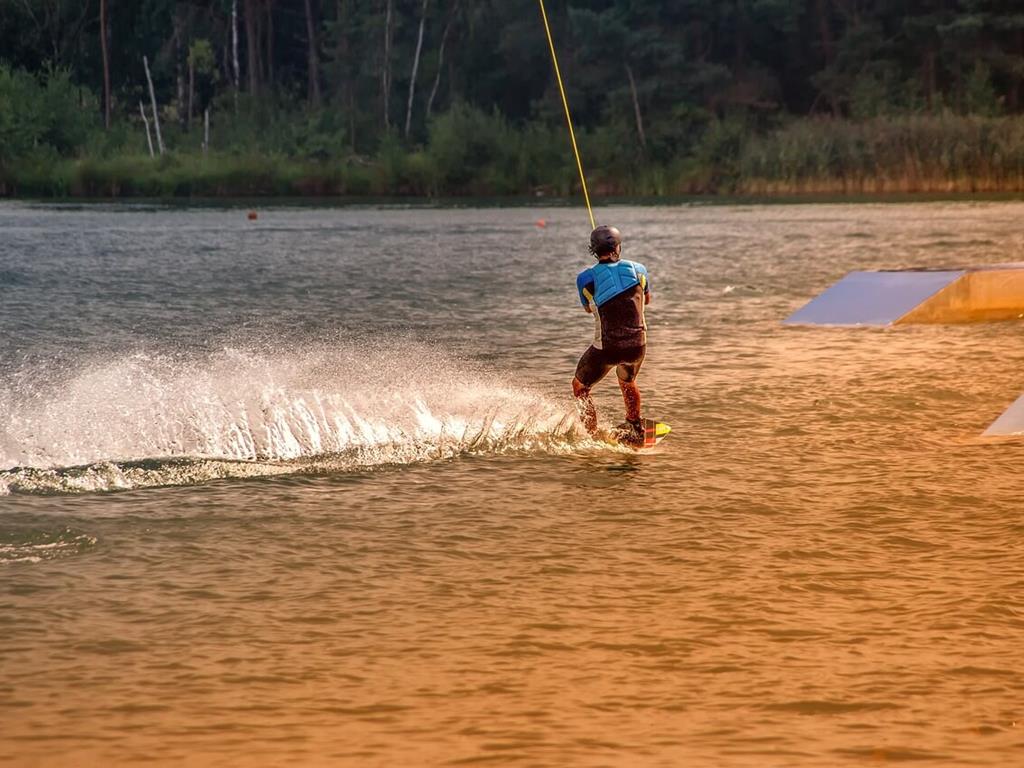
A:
[309,491]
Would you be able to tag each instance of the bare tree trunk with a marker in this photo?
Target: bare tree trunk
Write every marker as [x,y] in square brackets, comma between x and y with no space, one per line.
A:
[959,85]
[739,65]
[352,119]
[825,32]
[1013,98]
[312,60]
[234,47]
[440,59]
[179,74]
[930,84]
[828,47]
[385,69]
[415,69]
[259,19]
[252,48]
[270,43]
[152,98]
[149,136]
[636,107]
[106,64]
[206,131]
[191,90]
[348,99]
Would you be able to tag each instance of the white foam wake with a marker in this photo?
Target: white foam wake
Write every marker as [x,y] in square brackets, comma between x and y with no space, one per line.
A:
[271,412]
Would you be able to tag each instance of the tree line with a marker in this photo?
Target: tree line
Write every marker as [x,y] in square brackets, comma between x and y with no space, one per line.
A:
[657,87]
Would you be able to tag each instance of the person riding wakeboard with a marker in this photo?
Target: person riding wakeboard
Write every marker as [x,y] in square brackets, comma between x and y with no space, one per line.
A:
[615,291]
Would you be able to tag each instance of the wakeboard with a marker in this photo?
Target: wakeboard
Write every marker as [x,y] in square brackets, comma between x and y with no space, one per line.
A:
[653,433]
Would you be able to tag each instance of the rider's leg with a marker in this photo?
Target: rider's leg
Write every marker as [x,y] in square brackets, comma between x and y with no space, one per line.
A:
[592,367]
[585,406]
[631,398]
[627,373]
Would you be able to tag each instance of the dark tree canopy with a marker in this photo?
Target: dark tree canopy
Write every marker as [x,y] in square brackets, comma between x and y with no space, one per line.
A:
[852,58]
[649,80]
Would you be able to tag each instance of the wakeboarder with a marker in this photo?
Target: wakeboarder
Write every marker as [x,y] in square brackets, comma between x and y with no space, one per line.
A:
[615,291]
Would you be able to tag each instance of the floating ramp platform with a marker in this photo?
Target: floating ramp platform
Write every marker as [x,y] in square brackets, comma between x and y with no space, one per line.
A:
[1010,423]
[957,295]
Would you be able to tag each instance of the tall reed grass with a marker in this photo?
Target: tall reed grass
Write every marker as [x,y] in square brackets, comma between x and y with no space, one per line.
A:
[473,153]
[913,154]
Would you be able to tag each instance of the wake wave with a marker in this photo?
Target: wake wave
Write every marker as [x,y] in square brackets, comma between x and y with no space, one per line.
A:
[150,419]
[38,546]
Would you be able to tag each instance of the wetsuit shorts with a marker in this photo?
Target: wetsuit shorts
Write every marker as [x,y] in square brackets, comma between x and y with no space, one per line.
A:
[596,363]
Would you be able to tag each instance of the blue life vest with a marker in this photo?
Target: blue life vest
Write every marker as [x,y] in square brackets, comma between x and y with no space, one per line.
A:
[611,279]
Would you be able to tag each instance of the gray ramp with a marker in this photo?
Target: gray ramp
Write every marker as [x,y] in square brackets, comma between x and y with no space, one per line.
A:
[1010,423]
[873,298]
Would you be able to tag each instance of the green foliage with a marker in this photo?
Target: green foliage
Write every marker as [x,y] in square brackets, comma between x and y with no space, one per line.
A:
[278,125]
[686,96]
[217,175]
[718,154]
[877,91]
[200,58]
[472,150]
[41,114]
[980,94]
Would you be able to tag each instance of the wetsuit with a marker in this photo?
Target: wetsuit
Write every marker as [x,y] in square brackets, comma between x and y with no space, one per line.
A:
[617,292]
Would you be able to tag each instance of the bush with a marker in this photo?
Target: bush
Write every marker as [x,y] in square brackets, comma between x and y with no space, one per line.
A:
[473,152]
[42,113]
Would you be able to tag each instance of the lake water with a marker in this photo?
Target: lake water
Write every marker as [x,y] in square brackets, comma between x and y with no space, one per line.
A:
[309,491]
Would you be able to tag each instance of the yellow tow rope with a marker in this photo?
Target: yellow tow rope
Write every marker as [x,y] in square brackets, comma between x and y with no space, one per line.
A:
[568,116]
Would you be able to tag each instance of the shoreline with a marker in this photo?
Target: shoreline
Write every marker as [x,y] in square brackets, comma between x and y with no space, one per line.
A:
[524,201]
[916,157]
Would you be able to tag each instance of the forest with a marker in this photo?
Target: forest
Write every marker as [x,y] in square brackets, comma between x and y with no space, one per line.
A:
[440,98]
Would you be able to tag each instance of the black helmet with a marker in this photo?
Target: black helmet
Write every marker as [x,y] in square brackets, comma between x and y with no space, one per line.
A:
[604,240]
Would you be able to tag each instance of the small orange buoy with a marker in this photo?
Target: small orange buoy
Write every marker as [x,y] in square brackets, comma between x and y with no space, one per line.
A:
[541,223]
[253,215]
